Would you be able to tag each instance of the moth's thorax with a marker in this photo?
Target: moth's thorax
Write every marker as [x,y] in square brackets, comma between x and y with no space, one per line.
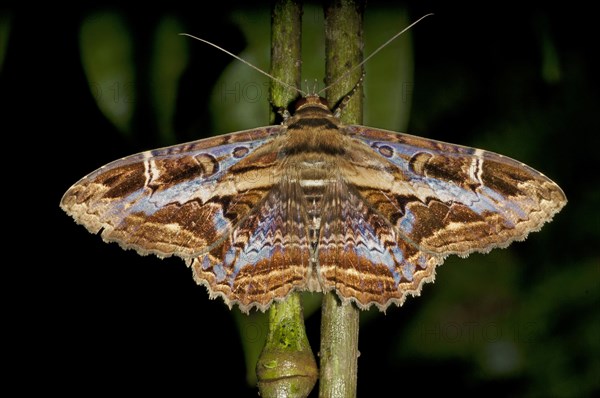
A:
[313,128]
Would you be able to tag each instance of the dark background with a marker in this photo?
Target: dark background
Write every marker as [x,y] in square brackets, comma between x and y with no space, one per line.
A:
[84,316]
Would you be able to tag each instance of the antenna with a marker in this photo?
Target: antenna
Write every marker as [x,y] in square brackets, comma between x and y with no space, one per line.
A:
[375,52]
[247,63]
[303,93]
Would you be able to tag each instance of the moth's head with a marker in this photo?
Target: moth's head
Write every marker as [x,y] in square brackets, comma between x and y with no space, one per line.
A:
[311,100]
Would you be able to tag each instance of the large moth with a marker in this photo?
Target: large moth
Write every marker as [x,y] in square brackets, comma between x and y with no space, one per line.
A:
[313,204]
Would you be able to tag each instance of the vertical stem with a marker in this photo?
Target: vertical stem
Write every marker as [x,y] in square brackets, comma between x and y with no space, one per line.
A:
[343,50]
[286,366]
[340,322]
[286,42]
[339,348]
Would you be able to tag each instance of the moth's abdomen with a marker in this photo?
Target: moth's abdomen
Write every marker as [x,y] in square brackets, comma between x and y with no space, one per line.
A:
[313,173]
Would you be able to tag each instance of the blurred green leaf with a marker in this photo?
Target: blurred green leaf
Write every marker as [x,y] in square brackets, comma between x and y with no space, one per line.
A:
[107,58]
[240,96]
[389,79]
[170,58]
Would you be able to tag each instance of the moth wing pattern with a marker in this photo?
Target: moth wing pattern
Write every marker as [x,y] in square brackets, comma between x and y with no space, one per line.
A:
[314,205]
[179,200]
[404,203]
[267,255]
[451,199]
[361,255]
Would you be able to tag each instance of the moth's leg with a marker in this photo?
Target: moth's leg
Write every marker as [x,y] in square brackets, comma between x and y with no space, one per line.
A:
[281,111]
[337,112]
[284,113]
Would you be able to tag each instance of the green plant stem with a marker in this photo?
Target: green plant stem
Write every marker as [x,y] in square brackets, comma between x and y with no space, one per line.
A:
[340,321]
[343,50]
[339,348]
[286,366]
[286,45]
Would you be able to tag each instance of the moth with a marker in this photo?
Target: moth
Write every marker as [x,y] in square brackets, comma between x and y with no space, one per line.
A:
[314,205]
